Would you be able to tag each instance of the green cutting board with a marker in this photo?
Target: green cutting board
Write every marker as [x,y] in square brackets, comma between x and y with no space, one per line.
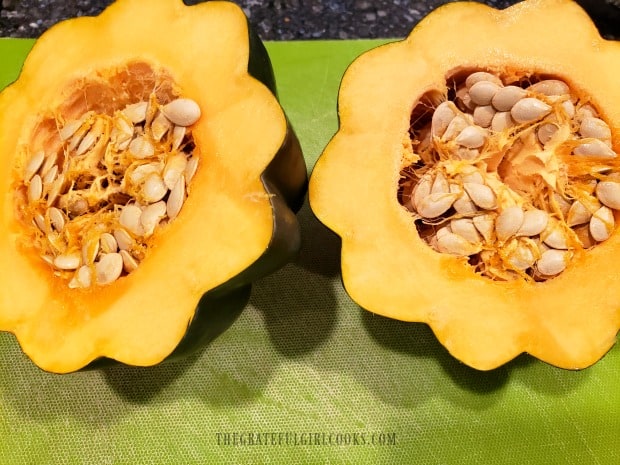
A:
[305,375]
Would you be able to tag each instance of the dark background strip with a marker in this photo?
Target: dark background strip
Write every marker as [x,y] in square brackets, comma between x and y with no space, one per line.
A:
[288,19]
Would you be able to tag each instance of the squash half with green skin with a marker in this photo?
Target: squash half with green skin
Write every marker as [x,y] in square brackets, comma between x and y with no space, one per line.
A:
[237,225]
[570,321]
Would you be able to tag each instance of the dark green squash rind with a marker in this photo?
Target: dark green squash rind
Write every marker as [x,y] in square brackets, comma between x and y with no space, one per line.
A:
[287,171]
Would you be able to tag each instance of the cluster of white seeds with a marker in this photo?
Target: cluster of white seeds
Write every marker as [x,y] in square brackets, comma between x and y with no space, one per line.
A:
[515,177]
[95,200]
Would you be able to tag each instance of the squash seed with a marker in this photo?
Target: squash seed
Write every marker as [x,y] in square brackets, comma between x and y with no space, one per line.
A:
[508,222]
[141,147]
[472,137]
[464,206]
[190,169]
[50,176]
[108,243]
[178,134]
[90,250]
[35,189]
[50,163]
[434,205]
[534,222]
[175,166]
[483,115]
[569,109]
[552,262]
[523,256]
[595,128]
[560,204]
[33,165]
[151,216]
[130,219]
[136,112]
[443,231]
[578,214]
[463,100]
[90,138]
[122,131]
[77,137]
[129,262]
[555,236]
[481,194]
[55,189]
[550,87]
[458,123]
[440,184]
[159,126]
[594,148]
[485,224]
[506,97]
[182,111]
[154,188]
[482,92]
[78,206]
[471,175]
[421,190]
[456,245]
[176,199]
[442,117]
[67,262]
[478,76]
[465,228]
[123,239]
[608,192]
[501,121]
[140,173]
[546,132]
[109,268]
[529,109]
[57,219]
[84,276]
[39,222]
[602,224]
[69,129]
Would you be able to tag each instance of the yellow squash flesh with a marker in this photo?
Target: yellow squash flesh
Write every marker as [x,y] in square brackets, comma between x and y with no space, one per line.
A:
[570,321]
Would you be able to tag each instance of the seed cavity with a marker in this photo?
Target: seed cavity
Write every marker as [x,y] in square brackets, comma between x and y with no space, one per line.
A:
[106,181]
[519,175]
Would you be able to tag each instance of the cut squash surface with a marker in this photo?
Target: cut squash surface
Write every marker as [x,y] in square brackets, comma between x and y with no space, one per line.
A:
[109,242]
[487,297]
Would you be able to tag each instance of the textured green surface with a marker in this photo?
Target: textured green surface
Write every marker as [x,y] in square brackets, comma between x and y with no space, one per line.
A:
[303,358]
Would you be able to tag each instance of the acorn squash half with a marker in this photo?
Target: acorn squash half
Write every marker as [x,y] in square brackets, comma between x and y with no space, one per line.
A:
[148,176]
[453,205]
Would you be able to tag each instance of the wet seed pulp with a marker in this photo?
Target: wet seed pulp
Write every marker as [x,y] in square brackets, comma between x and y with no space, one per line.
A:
[517,177]
[114,177]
